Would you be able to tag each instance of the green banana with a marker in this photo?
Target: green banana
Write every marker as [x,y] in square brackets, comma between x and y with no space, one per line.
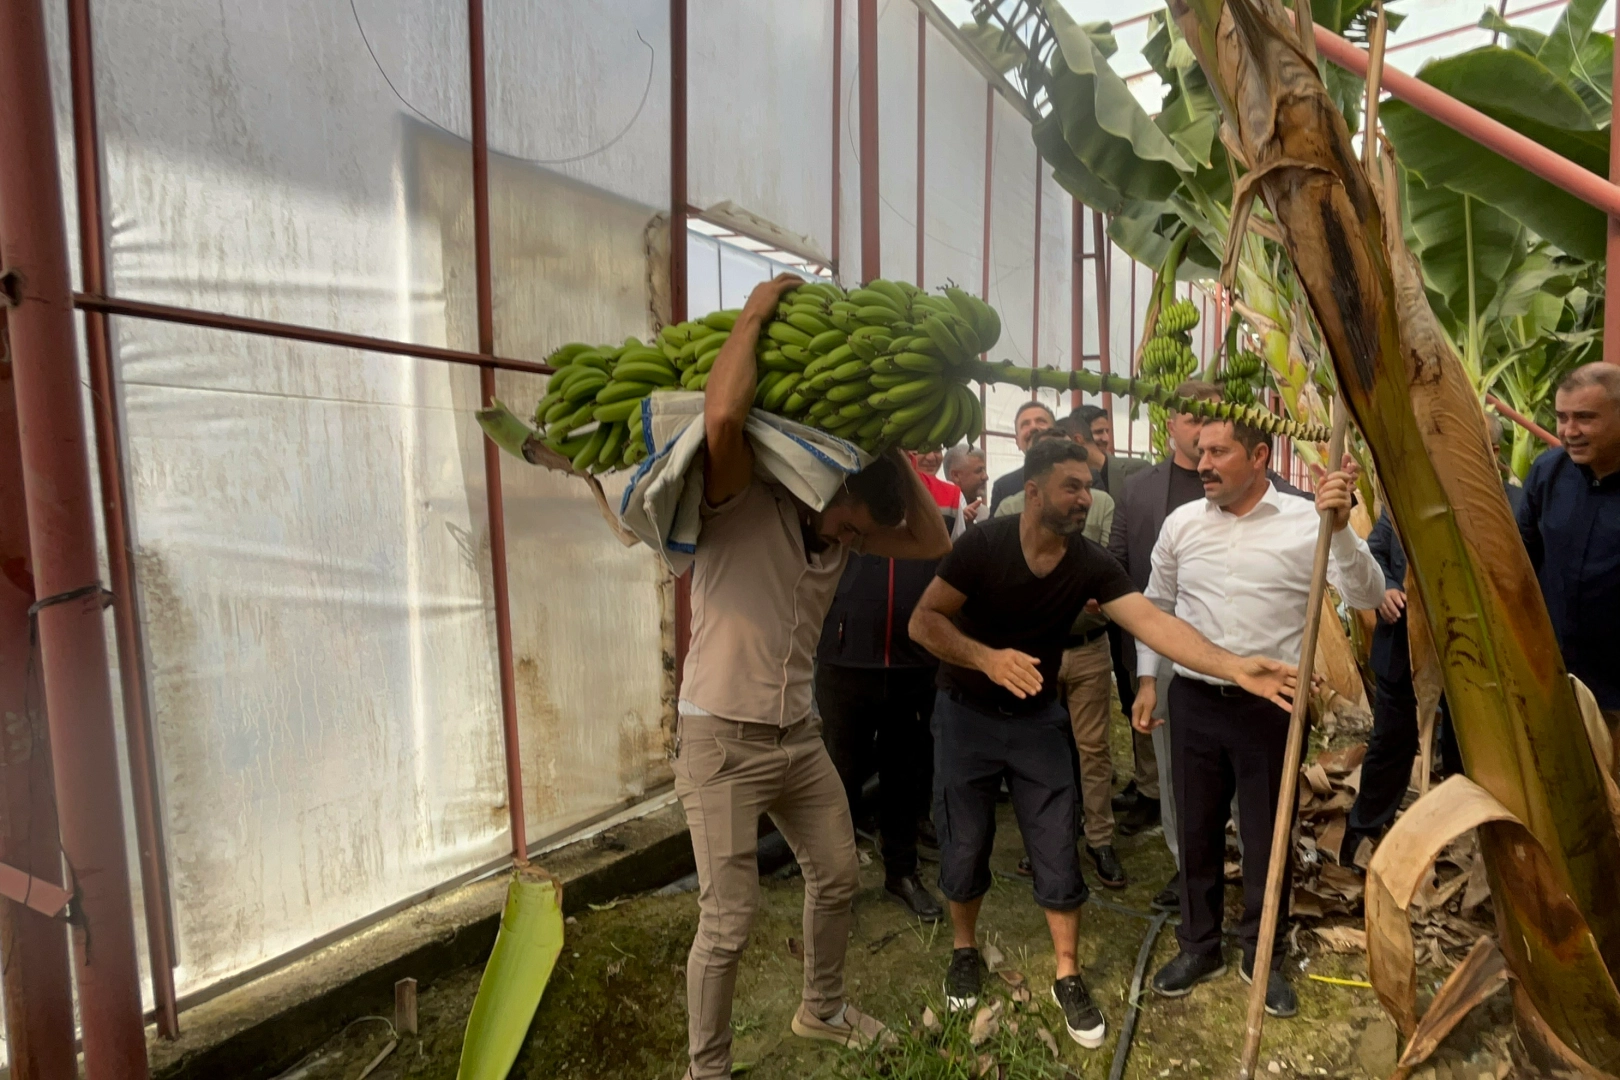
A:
[587,456]
[787,334]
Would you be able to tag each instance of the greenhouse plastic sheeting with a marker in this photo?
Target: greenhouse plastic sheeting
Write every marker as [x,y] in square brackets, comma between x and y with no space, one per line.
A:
[759,111]
[953,199]
[897,138]
[310,523]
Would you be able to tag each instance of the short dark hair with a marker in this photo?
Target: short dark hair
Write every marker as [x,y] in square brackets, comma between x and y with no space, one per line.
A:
[1046,453]
[879,488]
[1028,405]
[1248,436]
[1090,414]
[1075,426]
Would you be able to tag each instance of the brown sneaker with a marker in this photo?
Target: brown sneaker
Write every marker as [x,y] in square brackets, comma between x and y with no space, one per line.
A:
[855,1028]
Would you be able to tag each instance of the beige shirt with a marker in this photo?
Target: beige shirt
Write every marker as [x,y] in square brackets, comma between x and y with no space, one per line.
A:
[757,607]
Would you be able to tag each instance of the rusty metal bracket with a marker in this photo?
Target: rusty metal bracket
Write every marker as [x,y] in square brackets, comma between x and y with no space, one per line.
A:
[50,900]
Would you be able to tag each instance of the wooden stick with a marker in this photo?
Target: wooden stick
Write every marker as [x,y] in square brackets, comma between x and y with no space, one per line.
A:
[1375,78]
[1283,825]
[405,1007]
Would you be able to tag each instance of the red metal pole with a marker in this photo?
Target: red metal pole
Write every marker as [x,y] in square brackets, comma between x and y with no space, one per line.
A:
[922,128]
[1077,295]
[138,737]
[1523,151]
[61,534]
[866,58]
[837,120]
[33,948]
[1611,273]
[677,242]
[1522,420]
[1130,429]
[1035,308]
[492,454]
[1104,293]
[989,168]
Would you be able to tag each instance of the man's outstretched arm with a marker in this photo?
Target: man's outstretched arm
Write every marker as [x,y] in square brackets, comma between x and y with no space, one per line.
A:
[1171,637]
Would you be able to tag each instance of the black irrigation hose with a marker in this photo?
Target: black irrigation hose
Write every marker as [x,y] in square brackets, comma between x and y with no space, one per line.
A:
[1122,1051]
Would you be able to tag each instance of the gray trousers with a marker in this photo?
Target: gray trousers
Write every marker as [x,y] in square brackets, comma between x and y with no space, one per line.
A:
[1161,750]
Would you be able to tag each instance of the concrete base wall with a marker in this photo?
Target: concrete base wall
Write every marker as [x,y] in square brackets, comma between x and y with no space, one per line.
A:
[262,1028]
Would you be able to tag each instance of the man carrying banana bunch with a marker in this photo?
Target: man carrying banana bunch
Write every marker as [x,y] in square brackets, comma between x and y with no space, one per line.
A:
[998,615]
[763,577]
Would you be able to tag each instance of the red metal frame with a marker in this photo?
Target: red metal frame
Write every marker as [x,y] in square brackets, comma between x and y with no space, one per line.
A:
[1077,295]
[492,454]
[61,528]
[139,739]
[1522,420]
[33,949]
[678,293]
[867,77]
[922,133]
[989,170]
[1104,303]
[837,122]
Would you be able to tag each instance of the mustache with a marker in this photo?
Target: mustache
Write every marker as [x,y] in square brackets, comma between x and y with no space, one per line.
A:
[1209,476]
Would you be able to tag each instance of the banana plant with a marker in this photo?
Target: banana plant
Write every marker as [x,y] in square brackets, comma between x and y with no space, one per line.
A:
[1517,718]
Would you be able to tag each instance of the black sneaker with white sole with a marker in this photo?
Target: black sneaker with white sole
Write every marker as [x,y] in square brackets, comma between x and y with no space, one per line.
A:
[964,980]
[1083,1019]
[1281,1001]
[1185,971]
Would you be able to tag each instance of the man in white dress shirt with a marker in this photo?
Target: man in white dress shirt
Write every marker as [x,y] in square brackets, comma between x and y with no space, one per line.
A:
[1236,565]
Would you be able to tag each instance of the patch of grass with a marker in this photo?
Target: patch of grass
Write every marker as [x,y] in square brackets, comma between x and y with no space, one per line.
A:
[1016,1050]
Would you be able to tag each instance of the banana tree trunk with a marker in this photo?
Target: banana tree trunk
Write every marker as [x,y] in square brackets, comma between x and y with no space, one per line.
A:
[1517,719]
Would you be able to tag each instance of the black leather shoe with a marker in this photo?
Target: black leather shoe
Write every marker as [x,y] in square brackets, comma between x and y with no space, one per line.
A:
[1125,799]
[1169,897]
[1141,817]
[1187,970]
[911,892]
[1281,1001]
[1109,872]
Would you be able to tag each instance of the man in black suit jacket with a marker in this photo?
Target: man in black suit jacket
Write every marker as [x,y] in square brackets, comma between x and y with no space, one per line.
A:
[1149,497]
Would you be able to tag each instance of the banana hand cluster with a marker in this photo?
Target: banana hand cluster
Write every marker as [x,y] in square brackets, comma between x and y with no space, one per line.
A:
[1241,376]
[883,365]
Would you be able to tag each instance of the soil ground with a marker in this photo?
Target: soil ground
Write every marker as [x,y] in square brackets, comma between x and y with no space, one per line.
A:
[615,1007]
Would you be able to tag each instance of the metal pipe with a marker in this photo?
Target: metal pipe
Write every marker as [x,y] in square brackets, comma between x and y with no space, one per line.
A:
[492,455]
[33,948]
[1035,307]
[984,283]
[867,76]
[212,320]
[1611,273]
[1130,426]
[61,533]
[1077,295]
[837,119]
[678,266]
[922,129]
[157,900]
[1523,421]
[1104,294]
[1525,152]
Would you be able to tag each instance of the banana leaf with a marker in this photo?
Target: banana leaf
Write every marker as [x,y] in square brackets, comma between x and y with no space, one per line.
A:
[1521,92]
[1465,245]
[526,949]
[1517,720]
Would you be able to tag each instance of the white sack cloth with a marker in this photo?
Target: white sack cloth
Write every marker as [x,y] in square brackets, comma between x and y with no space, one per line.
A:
[661,504]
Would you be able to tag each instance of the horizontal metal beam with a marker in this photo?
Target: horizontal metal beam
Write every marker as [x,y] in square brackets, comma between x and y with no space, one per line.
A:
[1523,151]
[47,898]
[1523,421]
[139,309]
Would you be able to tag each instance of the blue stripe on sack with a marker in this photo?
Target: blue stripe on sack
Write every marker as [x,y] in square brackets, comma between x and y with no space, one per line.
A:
[684,549]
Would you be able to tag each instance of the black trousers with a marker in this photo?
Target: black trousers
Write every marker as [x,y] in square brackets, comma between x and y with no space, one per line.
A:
[1224,741]
[877,719]
[1386,771]
[1122,671]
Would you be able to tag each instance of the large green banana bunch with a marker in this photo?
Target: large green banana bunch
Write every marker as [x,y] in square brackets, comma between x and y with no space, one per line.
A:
[884,365]
[1242,374]
[1167,356]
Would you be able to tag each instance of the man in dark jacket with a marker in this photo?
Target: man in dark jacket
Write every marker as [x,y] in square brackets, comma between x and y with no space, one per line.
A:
[1032,416]
[1115,470]
[875,692]
[1570,522]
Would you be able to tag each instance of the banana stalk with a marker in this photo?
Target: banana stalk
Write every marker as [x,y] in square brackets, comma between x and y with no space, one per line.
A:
[1517,720]
[526,949]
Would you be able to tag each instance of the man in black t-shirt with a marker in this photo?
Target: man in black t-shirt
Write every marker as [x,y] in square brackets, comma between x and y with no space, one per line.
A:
[997,615]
